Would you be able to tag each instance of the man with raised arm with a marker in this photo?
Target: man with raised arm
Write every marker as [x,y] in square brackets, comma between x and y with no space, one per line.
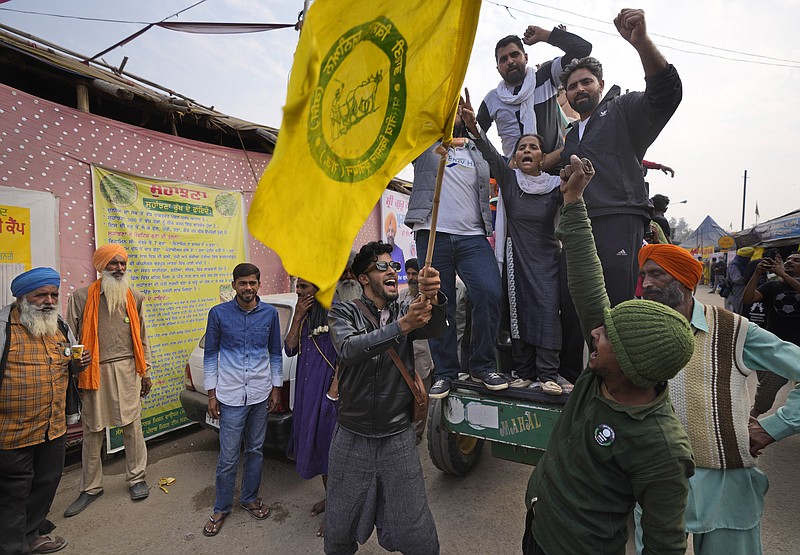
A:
[526,100]
[617,441]
[614,132]
[109,318]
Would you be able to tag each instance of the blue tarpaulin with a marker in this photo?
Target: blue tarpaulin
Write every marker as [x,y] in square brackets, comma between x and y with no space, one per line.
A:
[707,234]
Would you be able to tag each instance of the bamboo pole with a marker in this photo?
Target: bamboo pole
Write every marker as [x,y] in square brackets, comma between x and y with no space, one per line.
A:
[437,192]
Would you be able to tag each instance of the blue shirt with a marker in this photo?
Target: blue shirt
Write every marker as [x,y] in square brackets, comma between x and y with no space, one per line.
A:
[242,358]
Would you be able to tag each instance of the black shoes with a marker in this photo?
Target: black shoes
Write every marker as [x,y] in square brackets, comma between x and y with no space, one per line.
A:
[83,501]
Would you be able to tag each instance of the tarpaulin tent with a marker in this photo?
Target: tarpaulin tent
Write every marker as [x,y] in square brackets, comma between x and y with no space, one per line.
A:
[778,232]
[705,237]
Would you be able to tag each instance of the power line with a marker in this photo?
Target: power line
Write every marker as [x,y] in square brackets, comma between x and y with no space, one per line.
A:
[82,18]
[707,54]
[790,63]
[667,36]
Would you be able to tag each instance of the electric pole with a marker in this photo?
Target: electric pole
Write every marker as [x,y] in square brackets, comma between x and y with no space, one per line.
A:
[744,196]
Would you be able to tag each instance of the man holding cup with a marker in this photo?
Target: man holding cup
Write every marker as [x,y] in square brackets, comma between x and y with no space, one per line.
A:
[108,317]
[35,363]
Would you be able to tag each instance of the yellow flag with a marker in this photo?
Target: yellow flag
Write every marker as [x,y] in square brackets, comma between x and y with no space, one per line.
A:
[374,83]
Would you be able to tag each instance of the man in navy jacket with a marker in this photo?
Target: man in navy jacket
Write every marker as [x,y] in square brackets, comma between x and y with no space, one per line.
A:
[614,133]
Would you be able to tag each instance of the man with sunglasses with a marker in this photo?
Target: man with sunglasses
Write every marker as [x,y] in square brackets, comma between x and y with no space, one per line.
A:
[374,473]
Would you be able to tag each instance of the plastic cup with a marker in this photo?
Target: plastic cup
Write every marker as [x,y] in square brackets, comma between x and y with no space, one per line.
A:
[77,352]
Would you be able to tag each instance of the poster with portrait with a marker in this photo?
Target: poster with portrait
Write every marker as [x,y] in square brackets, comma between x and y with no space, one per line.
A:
[394,206]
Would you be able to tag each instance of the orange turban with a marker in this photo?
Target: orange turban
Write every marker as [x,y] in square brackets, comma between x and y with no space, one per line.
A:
[676,261]
[104,254]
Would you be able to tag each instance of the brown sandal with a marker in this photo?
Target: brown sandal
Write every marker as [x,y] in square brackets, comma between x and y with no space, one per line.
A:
[259,512]
[47,544]
[216,526]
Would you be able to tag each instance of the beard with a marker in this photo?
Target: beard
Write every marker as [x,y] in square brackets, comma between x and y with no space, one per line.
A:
[671,295]
[586,104]
[379,290]
[413,288]
[348,290]
[115,288]
[39,320]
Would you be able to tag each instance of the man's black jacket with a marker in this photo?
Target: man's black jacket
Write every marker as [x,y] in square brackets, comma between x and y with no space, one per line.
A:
[374,400]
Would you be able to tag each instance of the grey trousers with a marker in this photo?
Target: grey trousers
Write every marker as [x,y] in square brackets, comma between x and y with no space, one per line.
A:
[377,483]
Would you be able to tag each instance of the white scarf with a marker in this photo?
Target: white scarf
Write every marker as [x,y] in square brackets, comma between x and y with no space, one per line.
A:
[524,98]
[540,184]
[536,184]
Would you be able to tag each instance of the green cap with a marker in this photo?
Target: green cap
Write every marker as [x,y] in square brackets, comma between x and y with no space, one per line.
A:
[651,341]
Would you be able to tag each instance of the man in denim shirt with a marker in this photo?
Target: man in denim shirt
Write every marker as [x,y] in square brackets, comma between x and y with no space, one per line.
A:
[243,370]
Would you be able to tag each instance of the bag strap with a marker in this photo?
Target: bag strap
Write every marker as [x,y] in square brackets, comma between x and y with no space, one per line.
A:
[393,353]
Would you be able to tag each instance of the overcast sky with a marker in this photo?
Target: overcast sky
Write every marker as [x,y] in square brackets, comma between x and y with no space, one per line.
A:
[735,115]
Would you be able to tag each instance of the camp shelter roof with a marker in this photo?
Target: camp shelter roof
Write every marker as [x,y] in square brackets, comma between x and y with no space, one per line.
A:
[780,231]
[52,72]
[708,233]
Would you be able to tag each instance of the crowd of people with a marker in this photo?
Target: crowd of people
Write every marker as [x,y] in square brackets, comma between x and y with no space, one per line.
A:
[658,424]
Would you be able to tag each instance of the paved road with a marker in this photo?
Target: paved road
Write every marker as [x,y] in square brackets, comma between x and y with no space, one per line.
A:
[479,513]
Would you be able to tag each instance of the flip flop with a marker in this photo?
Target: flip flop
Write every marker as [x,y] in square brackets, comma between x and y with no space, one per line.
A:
[216,526]
[47,544]
[318,508]
[254,511]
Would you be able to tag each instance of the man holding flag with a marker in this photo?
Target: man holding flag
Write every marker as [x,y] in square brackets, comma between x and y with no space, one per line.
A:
[374,474]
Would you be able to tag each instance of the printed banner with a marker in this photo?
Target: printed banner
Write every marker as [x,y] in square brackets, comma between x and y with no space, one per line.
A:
[15,235]
[183,241]
[394,231]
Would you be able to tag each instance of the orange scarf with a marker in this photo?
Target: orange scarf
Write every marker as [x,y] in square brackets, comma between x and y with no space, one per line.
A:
[90,378]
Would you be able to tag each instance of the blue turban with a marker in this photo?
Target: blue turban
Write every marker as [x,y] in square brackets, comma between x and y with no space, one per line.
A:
[34,279]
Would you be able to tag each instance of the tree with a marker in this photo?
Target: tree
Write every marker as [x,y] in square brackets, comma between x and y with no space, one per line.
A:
[680,230]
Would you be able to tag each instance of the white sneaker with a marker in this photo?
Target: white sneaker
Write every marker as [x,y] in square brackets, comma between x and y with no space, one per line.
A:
[551,388]
[520,382]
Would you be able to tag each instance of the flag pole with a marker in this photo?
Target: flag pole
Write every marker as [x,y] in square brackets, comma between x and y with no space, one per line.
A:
[437,192]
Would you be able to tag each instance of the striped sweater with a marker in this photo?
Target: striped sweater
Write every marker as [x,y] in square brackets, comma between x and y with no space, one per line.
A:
[710,395]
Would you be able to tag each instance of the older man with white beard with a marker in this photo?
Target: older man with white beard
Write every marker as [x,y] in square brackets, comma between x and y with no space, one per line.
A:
[348,288]
[35,362]
[108,316]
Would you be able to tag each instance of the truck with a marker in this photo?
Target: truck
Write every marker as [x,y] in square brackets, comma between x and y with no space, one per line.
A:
[515,422]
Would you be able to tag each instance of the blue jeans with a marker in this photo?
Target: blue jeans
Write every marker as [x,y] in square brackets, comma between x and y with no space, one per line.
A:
[470,257]
[248,423]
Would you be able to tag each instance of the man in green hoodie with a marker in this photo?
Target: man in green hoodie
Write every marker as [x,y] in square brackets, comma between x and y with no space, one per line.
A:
[618,440]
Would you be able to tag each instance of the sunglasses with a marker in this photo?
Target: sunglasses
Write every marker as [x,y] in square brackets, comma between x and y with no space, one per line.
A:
[382,266]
